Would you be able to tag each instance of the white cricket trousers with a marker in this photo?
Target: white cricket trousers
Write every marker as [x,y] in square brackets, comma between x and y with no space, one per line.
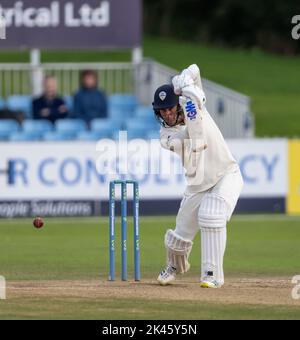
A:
[229,188]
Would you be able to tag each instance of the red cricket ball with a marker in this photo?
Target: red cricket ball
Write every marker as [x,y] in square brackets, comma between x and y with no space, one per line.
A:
[38,222]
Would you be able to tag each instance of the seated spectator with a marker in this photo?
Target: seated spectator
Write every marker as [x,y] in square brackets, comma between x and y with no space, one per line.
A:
[49,106]
[89,101]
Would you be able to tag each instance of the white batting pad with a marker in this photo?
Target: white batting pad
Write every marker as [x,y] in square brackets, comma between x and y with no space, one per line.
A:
[178,251]
[213,244]
[212,220]
[212,212]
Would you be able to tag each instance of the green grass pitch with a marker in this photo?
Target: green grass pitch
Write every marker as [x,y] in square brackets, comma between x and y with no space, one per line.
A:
[75,253]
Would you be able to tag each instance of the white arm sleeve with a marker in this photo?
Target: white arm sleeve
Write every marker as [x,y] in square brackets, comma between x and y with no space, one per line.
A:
[195,123]
[194,160]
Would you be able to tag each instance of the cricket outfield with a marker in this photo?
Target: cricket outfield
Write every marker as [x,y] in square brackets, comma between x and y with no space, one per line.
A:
[61,270]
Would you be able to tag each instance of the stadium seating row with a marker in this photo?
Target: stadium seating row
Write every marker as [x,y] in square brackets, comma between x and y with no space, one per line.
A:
[73,129]
[116,102]
[124,114]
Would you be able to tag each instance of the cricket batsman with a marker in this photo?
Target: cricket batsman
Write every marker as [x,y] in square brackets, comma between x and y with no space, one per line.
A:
[214,180]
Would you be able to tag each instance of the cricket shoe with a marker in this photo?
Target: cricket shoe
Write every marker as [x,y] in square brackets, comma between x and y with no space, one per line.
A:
[209,282]
[167,276]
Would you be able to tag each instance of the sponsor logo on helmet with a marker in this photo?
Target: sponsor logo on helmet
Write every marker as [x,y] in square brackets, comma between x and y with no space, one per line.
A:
[191,110]
[162,95]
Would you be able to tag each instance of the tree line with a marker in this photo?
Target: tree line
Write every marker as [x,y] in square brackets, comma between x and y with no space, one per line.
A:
[254,23]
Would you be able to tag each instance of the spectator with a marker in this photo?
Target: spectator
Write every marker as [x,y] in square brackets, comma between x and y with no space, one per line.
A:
[49,106]
[89,101]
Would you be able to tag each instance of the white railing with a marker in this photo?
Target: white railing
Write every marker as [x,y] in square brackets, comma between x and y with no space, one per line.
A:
[113,77]
[230,109]
[19,78]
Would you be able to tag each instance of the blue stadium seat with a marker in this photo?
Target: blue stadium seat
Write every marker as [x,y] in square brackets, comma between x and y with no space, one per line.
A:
[121,100]
[115,135]
[146,114]
[20,103]
[24,137]
[118,116]
[136,125]
[90,136]
[153,134]
[122,104]
[132,134]
[69,102]
[105,127]
[7,127]
[37,126]
[58,136]
[2,104]
[70,126]
[137,129]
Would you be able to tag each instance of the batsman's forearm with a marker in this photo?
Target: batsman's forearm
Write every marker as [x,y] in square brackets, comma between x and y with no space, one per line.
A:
[195,126]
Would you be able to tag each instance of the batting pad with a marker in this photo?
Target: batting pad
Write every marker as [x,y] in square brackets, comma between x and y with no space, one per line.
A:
[213,245]
[212,212]
[212,220]
[178,251]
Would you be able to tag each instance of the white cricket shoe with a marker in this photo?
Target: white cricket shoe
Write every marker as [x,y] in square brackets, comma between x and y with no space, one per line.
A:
[167,276]
[209,282]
